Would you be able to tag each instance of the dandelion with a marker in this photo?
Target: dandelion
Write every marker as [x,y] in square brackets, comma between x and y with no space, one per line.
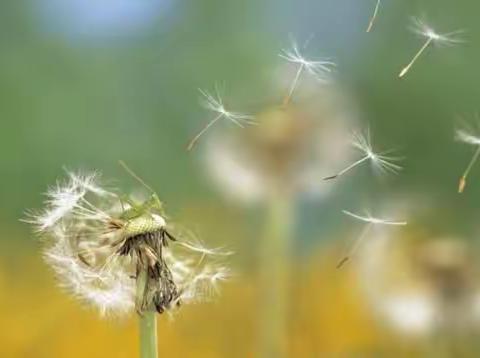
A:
[317,68]
[370,222]
[119,255]
[467,135]
[420,284]
[374,16]
[292,148]
[380,161]
[215,104]
[419,27]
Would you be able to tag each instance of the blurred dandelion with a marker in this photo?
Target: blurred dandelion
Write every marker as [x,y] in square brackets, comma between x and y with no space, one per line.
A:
[424,287]
[291,149]
[374,16]
[421,28]
[274,163]
[119,255]
[319,69]
[215,104]
[469,135]
[380,161]
[371,221]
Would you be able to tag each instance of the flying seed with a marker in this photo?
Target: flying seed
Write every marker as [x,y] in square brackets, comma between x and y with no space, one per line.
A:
[419,27]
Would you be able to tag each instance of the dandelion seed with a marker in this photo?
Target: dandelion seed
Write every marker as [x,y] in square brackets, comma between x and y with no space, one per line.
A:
[419,27]
[121,257]
[467,135]
[317,68]
[372,19]
[380,161]
[370,222]
[373,220]
[215,104]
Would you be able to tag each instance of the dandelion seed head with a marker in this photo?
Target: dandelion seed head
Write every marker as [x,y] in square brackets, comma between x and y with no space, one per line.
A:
[65,197]
[111,291]
[204,285]
[96,250]
[160,221]
[88,181]
[196,275]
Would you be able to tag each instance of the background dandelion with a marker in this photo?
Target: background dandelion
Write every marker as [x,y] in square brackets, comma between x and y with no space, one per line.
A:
[434,295]
[273,164]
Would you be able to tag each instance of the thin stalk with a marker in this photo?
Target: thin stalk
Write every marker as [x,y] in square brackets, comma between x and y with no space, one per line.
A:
[287,98]
[374,16]
[147,323]
[463,179]
[417,55]
[274,269]
[353,249]
[192,143]
[351,166]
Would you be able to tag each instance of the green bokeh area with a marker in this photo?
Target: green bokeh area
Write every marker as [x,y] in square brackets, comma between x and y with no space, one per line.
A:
[85,102]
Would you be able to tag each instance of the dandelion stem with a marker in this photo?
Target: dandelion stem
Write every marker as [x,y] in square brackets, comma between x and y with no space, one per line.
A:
[274,261]
[351,166]
[463,179]
[372,19]
[192,143]
[417,55]
[287,98]
[147,323]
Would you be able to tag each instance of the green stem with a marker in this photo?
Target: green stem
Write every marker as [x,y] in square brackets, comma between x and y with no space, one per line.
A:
[275,261]
[147,323]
